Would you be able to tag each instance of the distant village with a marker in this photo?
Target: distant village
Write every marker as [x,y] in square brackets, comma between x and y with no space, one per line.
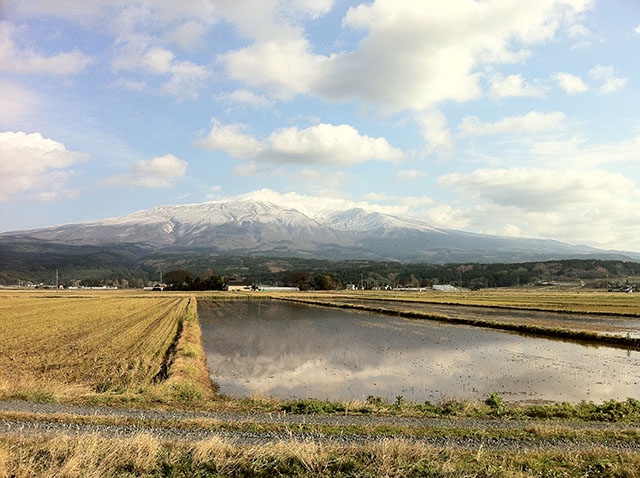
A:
[288,276]
[229,286]
[242,286]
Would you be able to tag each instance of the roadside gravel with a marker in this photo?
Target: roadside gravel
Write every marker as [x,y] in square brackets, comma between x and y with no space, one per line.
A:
[49,427]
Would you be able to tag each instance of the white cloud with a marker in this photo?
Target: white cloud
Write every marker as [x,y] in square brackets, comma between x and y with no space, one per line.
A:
[613,84]
[588,205]
[637,29]
[413,56]
[307,204]
[251,168]
[167,166]
[579,153]
[323,143]
[578,31]
[34,167]
[605,74]
[16,102]
[539,189]
[130,85]
[284,68]
[582,36]
[332,201]
[321,178]
[376,196]
[245,97]
[231,139]
[435,131]
[532,122]
[570,83]
[141,33]
[158,172]
[410,174]
[15,60]
[189,35]
[327,143]
[185,78]
[447,216]
[513,85]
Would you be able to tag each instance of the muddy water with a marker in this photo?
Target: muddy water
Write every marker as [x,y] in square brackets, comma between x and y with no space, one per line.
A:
[287,350]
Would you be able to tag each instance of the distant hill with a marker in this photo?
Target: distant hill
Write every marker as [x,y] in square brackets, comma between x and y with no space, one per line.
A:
[247,227]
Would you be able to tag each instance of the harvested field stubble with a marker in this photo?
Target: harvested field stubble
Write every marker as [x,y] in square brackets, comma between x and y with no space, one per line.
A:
[62,344]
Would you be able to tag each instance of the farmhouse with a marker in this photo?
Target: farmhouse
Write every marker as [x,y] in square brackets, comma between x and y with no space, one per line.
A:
[234,285]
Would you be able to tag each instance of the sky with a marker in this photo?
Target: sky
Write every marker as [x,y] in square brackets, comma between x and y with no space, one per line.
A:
[491,116]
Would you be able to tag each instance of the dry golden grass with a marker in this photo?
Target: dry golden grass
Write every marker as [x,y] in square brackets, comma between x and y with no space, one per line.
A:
[188,377]
[144,455]
[67,345]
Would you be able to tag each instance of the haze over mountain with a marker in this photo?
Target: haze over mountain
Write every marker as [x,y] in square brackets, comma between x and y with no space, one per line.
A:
[246,226]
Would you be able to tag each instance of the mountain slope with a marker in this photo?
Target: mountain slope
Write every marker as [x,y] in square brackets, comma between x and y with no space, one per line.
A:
[254,227]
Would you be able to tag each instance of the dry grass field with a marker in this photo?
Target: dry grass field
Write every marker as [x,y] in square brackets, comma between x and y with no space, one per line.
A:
[67,345]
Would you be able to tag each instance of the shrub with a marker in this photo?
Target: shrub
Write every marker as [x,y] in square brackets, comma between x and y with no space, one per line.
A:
[312,407]
[495,402]
[614,411]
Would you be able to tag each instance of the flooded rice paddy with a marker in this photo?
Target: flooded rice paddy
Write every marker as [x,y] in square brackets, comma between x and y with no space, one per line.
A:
[600,323]
[287,350]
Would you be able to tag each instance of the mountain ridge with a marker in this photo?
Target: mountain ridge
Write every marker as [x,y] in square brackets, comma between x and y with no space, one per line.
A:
[247,226]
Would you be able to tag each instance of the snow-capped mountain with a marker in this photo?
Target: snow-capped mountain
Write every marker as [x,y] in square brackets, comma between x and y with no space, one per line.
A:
[246,226]
[358,219]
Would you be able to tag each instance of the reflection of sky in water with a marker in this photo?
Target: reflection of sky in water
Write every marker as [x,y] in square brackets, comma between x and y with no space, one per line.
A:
[290,350]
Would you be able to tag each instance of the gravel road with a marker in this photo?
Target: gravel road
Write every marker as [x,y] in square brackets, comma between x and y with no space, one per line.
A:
[44,425]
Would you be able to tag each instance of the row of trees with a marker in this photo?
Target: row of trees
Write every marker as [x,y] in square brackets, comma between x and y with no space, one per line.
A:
[184,280]
[373,275]
[592,273]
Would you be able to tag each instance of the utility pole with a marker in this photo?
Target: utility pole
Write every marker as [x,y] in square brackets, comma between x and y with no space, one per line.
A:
[57,280]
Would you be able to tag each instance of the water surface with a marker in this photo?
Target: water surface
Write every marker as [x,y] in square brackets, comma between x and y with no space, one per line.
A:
[601,323]
[286,350]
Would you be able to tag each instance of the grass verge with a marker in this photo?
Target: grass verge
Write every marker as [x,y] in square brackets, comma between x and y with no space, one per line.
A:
[146,456]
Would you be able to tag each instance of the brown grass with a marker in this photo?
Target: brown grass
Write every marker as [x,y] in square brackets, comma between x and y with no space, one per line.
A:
[144,455]
[189,379]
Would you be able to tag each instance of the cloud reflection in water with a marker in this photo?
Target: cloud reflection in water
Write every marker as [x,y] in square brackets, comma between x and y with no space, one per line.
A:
[287,350]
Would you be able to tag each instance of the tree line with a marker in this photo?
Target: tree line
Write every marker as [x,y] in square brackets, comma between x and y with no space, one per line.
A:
[331,275]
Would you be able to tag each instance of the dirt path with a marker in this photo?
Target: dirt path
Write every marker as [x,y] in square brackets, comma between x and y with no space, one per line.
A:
[31,419]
